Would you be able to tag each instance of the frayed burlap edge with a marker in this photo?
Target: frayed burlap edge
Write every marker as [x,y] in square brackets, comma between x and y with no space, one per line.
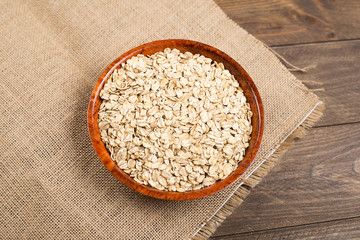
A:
[243,191]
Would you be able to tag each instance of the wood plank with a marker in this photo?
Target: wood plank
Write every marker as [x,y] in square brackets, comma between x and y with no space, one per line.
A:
[338,70]
[343,229]
[295,21]
[317,180]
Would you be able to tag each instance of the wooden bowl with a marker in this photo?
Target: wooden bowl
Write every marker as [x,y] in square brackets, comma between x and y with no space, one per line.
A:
[240,74]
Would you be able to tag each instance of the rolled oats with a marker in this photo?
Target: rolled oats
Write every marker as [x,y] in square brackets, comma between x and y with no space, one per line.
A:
[174,121]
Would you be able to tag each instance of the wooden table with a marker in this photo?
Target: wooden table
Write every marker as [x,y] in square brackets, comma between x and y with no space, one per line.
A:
[314,191]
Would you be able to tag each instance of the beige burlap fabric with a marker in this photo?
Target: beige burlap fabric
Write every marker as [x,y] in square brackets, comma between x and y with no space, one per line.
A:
[52,184]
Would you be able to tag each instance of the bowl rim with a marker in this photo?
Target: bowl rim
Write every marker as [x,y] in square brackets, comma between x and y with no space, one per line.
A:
[104,155]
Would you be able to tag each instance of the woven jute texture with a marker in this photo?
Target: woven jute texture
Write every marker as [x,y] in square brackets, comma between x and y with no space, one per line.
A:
[52,184]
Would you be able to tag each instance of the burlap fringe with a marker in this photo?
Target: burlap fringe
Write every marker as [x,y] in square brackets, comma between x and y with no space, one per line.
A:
[291,67]
[243,191]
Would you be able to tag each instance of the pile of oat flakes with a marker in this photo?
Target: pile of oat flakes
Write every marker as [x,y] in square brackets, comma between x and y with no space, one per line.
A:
[174,121]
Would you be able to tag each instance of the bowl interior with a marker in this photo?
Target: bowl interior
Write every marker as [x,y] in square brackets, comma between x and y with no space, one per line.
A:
[246,83]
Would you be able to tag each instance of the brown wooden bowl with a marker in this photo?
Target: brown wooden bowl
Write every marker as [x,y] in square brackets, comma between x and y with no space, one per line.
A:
[240,74]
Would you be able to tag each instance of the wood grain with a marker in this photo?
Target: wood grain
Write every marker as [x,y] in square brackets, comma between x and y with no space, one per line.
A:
[250,91]
[337,69]
[342,229]
[295,21]
[318,180]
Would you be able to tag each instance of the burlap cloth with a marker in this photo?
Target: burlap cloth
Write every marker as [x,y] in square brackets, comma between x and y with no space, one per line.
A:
[52,184]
